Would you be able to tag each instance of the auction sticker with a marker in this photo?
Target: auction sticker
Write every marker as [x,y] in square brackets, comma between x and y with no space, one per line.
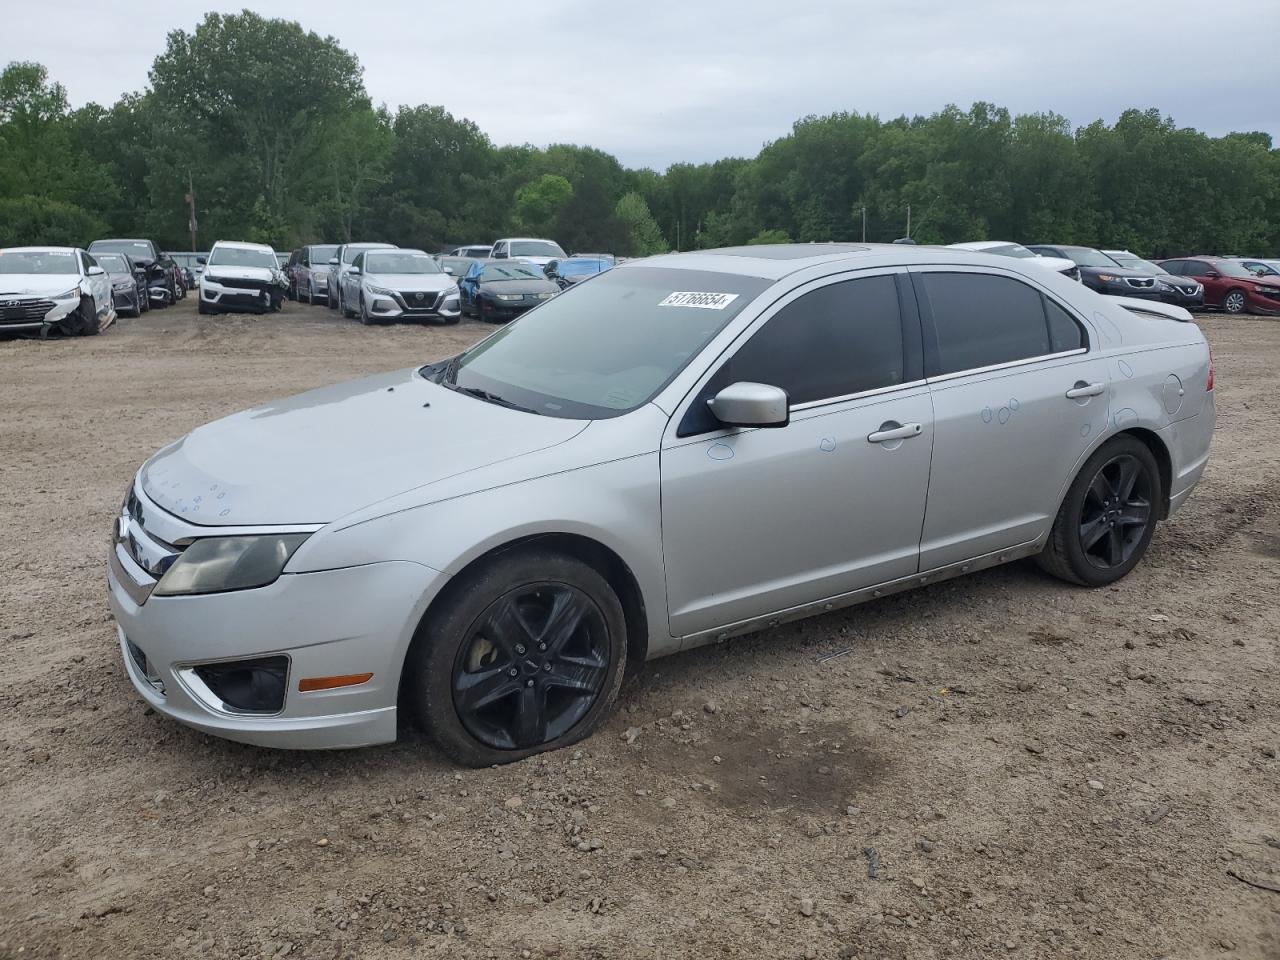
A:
[703,301]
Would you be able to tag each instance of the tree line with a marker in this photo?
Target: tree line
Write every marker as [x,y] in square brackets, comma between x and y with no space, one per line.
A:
[272,126]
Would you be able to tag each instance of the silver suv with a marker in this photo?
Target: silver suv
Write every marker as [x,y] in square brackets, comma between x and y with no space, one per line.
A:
[682,449]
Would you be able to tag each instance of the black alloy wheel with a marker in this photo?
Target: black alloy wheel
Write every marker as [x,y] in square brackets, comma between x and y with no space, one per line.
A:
[525,653]
[1116,512]
[1108,516]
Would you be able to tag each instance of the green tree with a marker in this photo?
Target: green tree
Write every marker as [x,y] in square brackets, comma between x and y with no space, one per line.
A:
[643,233]
[538,203]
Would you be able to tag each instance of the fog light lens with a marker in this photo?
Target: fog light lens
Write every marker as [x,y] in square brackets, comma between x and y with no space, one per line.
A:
[249,686]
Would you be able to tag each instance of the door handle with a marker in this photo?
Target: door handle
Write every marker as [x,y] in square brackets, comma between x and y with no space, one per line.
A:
[888,432]
[1082,389]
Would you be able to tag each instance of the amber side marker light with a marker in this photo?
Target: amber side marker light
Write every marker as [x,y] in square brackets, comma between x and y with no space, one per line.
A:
[309,684]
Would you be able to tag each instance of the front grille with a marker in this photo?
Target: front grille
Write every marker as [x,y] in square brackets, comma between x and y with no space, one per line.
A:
[424,301]
[1190,291]
[1141,283]
[23,309]
[155,557]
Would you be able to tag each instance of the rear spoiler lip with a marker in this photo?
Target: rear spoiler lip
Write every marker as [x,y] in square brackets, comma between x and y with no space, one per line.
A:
[1165,311]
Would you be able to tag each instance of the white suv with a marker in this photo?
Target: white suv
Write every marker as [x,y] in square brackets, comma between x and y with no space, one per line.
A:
[241,277]
[533,250]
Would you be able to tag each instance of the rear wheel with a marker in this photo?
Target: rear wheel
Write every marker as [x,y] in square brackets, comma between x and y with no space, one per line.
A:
[526,656]
[1108,518]
[1234,302]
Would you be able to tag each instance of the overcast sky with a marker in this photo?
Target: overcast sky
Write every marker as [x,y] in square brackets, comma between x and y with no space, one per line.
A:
[656,82]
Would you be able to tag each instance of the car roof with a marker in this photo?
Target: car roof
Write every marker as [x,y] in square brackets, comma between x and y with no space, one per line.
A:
[39,249]
[983,244]
[398,249]
[519,240]
[243,245]
[121,240]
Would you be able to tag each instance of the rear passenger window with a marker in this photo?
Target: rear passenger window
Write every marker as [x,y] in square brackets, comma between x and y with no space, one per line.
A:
[982,320]
[840,339]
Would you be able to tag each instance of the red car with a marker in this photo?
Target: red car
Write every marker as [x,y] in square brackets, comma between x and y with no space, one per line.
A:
[1228,285]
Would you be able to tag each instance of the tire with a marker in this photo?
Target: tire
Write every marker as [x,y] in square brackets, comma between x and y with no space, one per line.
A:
[202,308]
[1103,529]
[144,302]
[481,312]
[450,321]
[1234,301]
[83,322]
[309,298]
[450,648]
[367,320]
[343,308]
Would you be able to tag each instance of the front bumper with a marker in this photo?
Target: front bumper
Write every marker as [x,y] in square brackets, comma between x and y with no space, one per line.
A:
[444,305]
[126,299]
[335,622]
[1260,303]
[33,312]
[508,309]
[227,297]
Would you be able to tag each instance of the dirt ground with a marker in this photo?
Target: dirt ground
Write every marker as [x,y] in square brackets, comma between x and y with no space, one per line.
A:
[1000,765]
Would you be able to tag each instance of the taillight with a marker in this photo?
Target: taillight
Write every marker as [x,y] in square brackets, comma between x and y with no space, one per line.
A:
[1209,386]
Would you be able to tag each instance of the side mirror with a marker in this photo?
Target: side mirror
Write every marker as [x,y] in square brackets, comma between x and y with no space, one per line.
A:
[332,261]
[94,272]
[202,260]
[746,404]
[353,271]
[449,271]
[1212,274]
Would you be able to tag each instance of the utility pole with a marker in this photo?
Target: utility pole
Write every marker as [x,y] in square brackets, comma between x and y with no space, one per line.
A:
[908,219]
[864,223]
[191,214]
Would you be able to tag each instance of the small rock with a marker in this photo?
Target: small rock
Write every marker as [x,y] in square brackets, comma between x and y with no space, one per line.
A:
[852,811]
[667,803]
[901,712]
[1269,752]
[322,842]
[710,706]
[631,734]
[513,803]
[917,883]
[1094,784]
[208,891]
[1025,686]
[926,846]
[1158,618]
[806,907]
[1035,748]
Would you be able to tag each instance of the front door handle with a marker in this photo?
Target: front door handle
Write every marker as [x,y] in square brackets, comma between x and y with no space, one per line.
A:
[889,431]
[1082,389]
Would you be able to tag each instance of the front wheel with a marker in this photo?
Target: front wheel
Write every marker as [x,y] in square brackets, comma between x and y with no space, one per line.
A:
[1233,302]
[1108,518]
[527,655]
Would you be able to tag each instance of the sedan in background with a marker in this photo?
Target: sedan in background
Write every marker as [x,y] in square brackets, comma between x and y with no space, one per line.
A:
[340,263]
[45,288]
[128,283]
[456,266]
[1184,291]
[686,449]
[241,277]
[1228,284]
[310,276]
[1099,272]
[565,273]
[1003,248]
[389,285]
[164,277]
[500,291]
[1262,268]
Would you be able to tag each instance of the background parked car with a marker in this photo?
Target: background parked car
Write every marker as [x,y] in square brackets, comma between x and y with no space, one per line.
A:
[477,251]
[531,249]
[564,273]
[340,263]
[500,291]
[1262,268]
[456,267]
[1184,291]
[310,276]
[164,281]
[241,277]
[1228,284]
[128,283]
[46,287]
[191,263]
[1099,272]
[1003,248]
[387,285]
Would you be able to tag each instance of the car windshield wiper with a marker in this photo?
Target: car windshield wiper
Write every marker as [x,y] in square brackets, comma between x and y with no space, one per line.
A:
[488,397]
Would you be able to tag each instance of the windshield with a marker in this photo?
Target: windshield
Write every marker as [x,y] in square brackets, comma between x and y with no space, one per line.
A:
[475,251]
[242,257]
[535,248]
[400,263]
[138,249]
[573,268]
[1260,268]
[320,255]
[1084,257]
[511,271]
[352,250]
[44,262]
[608,346]
[1011,250]
[113,263]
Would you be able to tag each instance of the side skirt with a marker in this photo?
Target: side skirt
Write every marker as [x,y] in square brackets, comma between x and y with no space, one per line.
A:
[791,614]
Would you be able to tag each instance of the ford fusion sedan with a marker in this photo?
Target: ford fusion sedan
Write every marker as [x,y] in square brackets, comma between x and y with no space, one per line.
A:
[1003,248]
[53,288]
[1228,284]
[1099,272]
[528,249]
[497,291]
[383,286]
[240,277]
[341,262]
[684,449]
[128,283]
[1184,291]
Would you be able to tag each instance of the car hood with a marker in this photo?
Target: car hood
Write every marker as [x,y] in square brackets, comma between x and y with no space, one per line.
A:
[412,281]
[26,284]
[321,455]
[1056,264]
[532,285]
[261,274]
[1116,272]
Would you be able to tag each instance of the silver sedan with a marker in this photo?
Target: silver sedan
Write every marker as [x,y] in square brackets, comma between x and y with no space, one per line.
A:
[676,451]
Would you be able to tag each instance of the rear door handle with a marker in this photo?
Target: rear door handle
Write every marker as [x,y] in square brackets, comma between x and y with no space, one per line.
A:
[1082,389]
[889,432]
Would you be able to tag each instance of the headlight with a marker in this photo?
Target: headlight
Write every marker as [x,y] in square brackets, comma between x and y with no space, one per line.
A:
[381,291]
[545,296]
[1269,290]
[510,296]
[218,564]
[1108,278]
[72,294]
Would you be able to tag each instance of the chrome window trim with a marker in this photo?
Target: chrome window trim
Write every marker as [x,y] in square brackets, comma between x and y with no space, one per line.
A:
[1011,364]
[832,401]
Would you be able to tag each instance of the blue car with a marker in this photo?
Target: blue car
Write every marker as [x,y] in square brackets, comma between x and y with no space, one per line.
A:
[570,270]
